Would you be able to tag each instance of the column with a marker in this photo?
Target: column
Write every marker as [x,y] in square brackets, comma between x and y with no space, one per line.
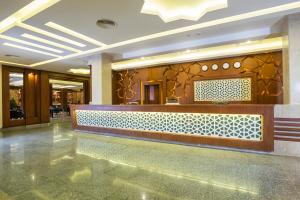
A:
[1,108]
[101,79]
[291,59]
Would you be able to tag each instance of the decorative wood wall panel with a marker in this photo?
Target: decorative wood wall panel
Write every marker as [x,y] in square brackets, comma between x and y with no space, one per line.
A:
[266,69]
[36,94]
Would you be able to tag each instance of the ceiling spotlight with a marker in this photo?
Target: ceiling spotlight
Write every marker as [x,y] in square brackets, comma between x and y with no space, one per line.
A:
[106,24]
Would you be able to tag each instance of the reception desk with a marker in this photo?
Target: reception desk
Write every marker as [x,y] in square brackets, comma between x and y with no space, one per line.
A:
[236,126]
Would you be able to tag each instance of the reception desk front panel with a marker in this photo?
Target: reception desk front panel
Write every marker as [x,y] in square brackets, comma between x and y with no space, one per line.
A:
[226,126]
[245,127]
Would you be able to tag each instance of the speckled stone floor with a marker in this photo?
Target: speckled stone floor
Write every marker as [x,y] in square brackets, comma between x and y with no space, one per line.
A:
[56,163]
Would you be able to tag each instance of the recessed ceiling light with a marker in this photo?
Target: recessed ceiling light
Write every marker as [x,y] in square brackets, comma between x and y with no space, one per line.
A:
[73,33]
[30,44]
[171,10]
[25,13]
[13,63]
[80,71]
[38,39]
[29,49]
[52,35]
[205,53]
[106,23]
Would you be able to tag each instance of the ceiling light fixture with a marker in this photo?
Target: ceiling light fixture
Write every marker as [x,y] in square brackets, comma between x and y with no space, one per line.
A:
[30,44]
[206,53]
[74,34]
[29,49]
[25,13]
[172,10]
[38,39]
[13,63]
[80,71]
[51,35]
[226,20]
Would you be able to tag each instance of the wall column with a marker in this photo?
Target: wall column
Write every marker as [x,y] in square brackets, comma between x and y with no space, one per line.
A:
[101,78]
[1,107]
[291,59]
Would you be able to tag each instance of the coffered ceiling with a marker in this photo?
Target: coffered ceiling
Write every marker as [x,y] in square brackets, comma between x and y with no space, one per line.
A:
[63,35]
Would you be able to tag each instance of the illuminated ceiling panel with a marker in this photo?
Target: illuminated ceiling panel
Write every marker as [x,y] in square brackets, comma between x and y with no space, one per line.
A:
[30,44]
[73,33]
[30,49]
[38,39]
[25,13]
[206,53]
[172,10]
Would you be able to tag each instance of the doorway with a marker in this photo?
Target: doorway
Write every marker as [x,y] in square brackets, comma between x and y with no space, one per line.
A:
[62,94]
[152,92]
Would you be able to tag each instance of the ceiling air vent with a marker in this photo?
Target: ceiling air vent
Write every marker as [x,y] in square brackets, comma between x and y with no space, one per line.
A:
[106,24]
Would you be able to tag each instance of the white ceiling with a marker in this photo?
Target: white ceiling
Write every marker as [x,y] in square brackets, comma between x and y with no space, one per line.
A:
[81,16]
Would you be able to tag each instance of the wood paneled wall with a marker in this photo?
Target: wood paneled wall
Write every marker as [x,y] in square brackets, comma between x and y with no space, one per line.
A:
[32,90]
[36,94]
[266,69]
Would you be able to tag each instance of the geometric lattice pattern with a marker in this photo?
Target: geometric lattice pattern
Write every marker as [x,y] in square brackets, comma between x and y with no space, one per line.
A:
[246,127]
[223,90]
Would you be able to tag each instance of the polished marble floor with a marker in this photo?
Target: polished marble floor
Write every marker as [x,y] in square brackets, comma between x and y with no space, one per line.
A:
[56,163]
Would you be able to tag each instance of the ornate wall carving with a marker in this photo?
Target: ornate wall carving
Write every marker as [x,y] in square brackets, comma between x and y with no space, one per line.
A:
[266,69]
[126,82]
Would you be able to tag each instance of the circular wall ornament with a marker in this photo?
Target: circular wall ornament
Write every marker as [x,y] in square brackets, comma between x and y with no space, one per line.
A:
[237,65]
[204,68]
[215,67]
[226,66]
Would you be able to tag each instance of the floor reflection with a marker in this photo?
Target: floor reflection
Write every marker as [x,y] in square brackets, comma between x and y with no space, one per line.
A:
[54,162]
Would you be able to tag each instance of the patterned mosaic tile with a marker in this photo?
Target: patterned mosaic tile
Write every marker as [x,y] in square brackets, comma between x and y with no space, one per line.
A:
[246,127]
[238,89]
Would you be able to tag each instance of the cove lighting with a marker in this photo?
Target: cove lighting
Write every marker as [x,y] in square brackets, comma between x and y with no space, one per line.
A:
[226,20]
[74,34]
[206,53]
[172,10]
[29,49]
[30,44]
[38,39]
[80,71]
[25,13]
[13,63]
[48,34]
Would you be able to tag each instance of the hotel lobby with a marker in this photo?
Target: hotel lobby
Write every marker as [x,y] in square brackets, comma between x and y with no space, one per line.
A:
[149,100]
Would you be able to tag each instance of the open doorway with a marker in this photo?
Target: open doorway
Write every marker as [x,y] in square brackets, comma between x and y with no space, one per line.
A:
[62,94]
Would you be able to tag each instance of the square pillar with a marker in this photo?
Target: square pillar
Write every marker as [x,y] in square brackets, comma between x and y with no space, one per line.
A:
[291,59]
[101,78]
